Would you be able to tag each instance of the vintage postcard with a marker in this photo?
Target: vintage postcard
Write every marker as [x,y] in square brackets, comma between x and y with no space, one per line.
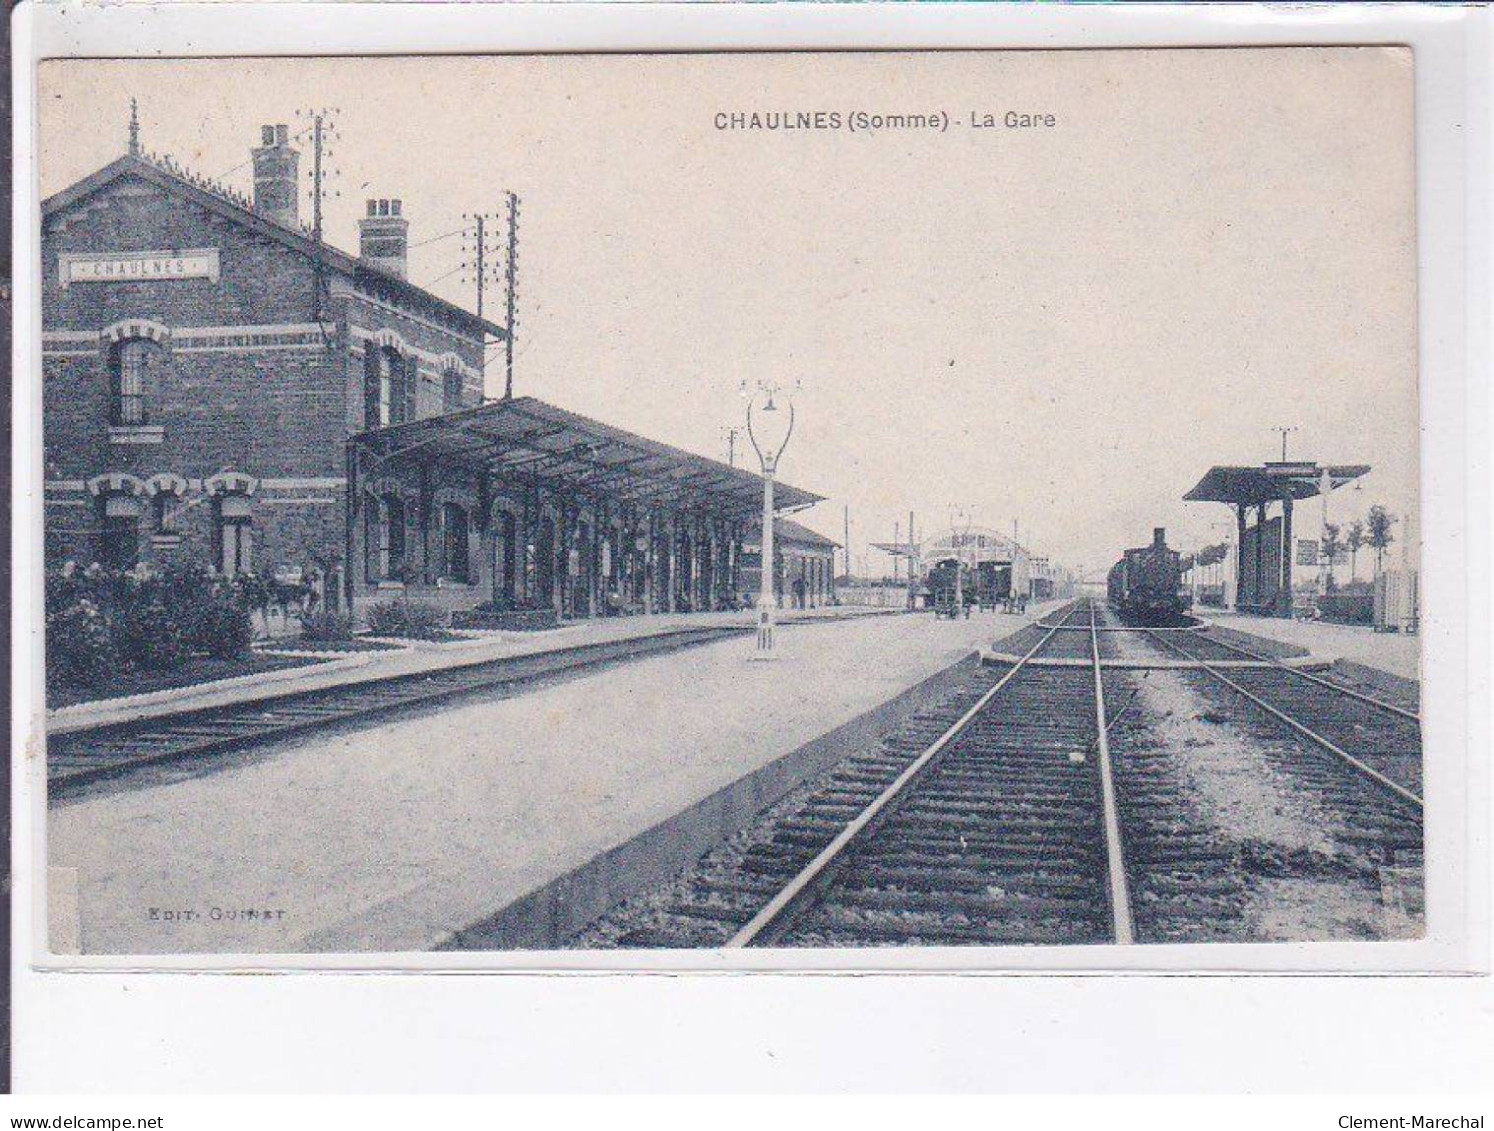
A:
[813,502]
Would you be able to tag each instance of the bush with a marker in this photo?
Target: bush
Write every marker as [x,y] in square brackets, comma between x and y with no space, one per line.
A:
[102,623]
[227,630]
[190,592]
[1347,608]
[407,618]
[508,605]
[147,635]
[326,626]
[80,646]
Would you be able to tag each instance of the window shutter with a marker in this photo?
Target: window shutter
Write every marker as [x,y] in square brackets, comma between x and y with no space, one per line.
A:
[372,534]
[370,386]
[412,386]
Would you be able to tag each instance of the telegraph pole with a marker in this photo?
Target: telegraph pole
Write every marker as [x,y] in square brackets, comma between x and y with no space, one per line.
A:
[323,132]
[316,213]
[481,273]
[730,434]
[479,265]
[513,275]
[912,564]
[1285,431]
[848,545]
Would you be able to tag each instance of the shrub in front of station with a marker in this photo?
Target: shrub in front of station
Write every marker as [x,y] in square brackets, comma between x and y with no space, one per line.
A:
[102,623]
[413,620]
[326,627]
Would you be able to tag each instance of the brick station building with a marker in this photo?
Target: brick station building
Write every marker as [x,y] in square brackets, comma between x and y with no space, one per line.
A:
[223,386]
[804,573]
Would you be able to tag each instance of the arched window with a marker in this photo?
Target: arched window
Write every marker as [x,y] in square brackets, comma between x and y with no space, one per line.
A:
[235,534]
[389,390]
[455,561]
[388,363]
[385,538]
[130,364]
[166,491]
[165,503]
[119,531]
[451,389]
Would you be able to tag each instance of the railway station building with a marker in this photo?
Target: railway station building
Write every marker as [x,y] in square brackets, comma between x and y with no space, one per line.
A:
[1007,562]
[221,385]
[804,575]
[1265,548]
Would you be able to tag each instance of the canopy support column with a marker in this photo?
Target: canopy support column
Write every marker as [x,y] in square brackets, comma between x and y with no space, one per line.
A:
[1284,597]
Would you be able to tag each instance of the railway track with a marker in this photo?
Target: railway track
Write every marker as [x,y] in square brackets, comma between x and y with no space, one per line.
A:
[1381,740]
[76,759]
[1005,817]
[986,821]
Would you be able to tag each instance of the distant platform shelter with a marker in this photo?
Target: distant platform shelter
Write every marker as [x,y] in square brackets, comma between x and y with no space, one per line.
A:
[1264,565]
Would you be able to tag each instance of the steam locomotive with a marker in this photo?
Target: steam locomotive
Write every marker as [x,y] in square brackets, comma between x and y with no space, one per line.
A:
[1146,584]
[951,588]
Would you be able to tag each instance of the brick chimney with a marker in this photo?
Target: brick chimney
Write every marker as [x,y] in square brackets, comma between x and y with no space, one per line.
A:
[384,237]
[275,184]
[1159,536]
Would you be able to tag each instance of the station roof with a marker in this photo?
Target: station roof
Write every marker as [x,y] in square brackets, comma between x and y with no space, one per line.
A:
[1299,479]
[220,201]
[525,436]
[787,530]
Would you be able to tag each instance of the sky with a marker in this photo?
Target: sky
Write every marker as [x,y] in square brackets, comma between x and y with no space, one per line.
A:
[1060,325]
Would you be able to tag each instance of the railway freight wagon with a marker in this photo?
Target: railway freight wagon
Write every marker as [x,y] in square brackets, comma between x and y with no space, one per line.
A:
[993,583]
[1147,583]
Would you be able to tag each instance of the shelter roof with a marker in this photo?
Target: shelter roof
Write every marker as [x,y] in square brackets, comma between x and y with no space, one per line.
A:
[526,436]
[787,530]
[1300,479]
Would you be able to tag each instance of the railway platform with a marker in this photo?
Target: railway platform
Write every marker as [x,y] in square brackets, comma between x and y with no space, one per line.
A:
[417,657]
[491,823]
[1391,653]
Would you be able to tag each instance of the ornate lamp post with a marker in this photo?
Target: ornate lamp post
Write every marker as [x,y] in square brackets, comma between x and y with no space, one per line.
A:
[769,426]
[960,522]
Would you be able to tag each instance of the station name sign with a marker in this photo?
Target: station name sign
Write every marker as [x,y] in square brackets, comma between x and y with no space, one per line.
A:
[137,266]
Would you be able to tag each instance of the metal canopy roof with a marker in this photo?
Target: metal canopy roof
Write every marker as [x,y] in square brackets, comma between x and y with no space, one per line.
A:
[1270,482]
[786,530]
[527,437]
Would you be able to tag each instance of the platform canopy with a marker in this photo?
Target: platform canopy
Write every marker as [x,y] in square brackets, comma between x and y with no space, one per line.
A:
[1250,486]
[786,530]
[525,437]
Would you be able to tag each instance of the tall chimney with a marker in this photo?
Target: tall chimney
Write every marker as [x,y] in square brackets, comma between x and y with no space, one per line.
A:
[275,185]
[384,237]
[1159,536]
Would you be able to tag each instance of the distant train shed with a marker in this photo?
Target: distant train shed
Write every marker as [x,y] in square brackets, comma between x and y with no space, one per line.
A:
[1264,565]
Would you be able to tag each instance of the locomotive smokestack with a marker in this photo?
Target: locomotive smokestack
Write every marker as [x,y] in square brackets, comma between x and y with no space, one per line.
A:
[1159,536]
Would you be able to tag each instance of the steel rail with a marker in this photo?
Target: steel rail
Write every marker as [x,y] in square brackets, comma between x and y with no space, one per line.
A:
[1275,661]
[83,756]
[1115,857]
[1306,732]
[778,914]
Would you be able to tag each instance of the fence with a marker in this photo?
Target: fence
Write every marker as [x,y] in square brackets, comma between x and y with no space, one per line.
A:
[881,596]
